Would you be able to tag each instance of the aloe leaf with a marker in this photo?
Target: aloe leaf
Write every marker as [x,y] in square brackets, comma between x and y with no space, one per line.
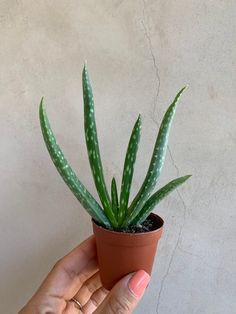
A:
[93,147]
[114,197]
[156,198]
[129,168]
[67,173]
[157,160]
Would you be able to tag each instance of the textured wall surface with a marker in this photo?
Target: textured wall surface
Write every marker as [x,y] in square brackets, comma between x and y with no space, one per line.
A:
[139,54]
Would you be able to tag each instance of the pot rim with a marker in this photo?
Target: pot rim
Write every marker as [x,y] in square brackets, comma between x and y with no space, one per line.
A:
[133,233]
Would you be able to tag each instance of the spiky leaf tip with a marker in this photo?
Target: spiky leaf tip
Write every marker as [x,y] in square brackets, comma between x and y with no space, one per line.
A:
[157,159]
[114,197]
[128,169]
[67,173]
[93,147]
[155,199]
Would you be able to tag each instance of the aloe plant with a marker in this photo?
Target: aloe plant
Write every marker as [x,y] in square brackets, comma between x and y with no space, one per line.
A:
[114,212]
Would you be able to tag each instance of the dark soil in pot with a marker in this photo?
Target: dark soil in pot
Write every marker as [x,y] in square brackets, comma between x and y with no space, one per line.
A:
[120,253]
[149,224]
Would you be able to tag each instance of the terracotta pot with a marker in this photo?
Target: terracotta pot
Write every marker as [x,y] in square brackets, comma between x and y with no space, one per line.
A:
[120,253]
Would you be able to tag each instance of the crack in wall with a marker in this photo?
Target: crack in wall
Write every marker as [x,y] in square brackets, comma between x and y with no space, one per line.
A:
[173,252]
[158,85]
[173,163]
[158,80]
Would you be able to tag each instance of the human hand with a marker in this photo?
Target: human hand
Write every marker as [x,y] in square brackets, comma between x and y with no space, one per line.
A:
[77,276]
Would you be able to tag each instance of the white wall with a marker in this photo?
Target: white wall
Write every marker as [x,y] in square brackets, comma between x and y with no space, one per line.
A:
[139,54]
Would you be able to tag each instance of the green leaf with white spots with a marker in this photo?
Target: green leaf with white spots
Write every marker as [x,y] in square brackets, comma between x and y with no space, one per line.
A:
[128,169]
[67,173]
[93,147]
[157,161]
[156,198]
[114,197]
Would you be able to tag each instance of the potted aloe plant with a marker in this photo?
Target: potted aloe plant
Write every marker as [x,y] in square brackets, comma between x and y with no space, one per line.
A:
[126,232]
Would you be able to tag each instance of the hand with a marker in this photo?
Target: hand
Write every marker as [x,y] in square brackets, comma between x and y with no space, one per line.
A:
[77,276]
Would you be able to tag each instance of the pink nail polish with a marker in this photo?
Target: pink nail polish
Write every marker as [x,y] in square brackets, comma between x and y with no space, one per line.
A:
[138,282]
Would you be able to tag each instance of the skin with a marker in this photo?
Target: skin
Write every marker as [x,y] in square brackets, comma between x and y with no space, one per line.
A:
[77,275]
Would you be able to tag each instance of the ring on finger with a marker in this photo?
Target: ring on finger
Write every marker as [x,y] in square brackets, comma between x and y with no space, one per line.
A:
[78,304]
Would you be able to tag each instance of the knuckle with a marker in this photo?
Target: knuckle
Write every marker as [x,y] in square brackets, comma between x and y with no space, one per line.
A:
[60,267]
[92,284]
[98,297]
[91,287]
[119,306]
[104,291]
[82,278]
[95,301]
[57,265]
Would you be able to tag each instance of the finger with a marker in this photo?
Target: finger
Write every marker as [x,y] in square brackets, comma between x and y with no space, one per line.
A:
[88,288]
[69,273]
[71,308]
[95,300]
[125,295]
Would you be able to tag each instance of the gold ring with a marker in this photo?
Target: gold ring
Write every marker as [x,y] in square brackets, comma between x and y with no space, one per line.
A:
[77,303]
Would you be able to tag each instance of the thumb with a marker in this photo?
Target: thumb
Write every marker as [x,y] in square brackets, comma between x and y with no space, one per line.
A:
[125,295]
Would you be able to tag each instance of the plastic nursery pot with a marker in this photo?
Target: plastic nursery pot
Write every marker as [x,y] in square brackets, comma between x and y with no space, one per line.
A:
[121,253]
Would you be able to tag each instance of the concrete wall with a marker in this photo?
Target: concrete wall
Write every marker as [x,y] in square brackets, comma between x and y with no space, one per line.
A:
[139,54]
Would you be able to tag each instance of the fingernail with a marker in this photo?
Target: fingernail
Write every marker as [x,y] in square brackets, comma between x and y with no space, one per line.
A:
[138,283]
